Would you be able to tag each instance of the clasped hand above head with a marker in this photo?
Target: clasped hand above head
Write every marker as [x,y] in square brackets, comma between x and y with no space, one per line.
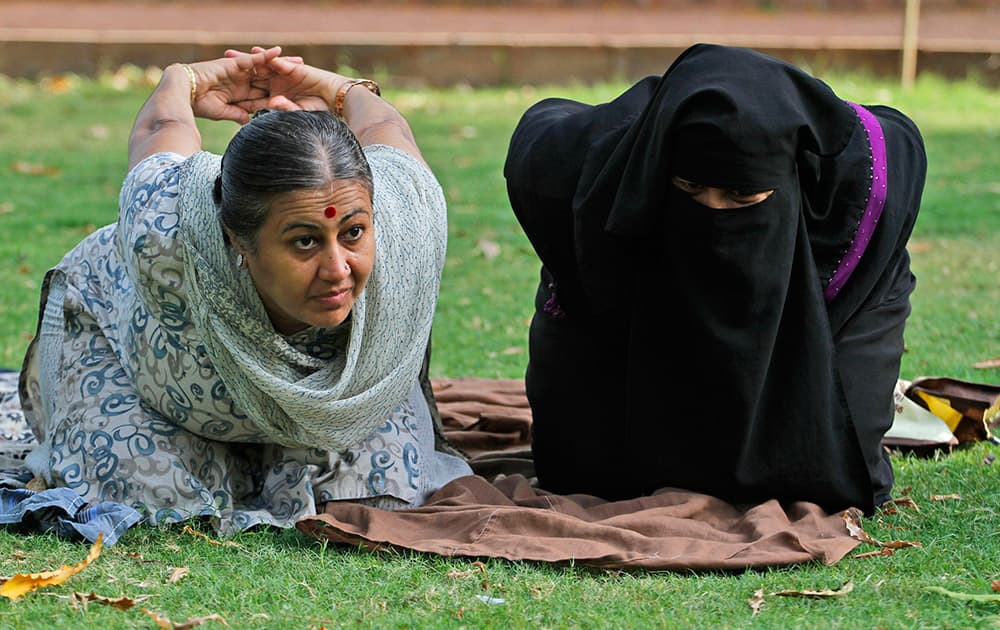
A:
[241,83]
[291,84]
[288,83]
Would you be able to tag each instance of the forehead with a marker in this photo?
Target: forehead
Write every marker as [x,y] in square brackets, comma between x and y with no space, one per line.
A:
[348,196]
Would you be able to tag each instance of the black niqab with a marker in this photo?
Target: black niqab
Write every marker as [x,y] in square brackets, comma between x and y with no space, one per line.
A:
[693,347]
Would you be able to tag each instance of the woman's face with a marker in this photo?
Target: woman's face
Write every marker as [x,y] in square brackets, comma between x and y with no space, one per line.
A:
[719,198]
[314,255]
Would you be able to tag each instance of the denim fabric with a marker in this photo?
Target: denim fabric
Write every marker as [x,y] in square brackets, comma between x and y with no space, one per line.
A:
[65,512]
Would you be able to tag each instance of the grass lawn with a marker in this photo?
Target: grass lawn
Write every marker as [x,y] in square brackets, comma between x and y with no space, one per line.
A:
[62,159]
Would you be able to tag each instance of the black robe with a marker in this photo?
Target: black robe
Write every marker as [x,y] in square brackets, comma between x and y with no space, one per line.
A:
[679,345]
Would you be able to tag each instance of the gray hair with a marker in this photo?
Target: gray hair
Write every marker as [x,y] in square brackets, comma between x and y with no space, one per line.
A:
[278,153]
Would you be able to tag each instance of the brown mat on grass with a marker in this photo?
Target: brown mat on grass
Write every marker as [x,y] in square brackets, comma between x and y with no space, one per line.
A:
[509,518]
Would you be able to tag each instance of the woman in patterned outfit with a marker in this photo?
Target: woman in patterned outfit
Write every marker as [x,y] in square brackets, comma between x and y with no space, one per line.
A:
[725,283]
[245,342]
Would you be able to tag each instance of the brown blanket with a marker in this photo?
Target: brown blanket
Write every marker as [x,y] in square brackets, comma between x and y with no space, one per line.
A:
[510,518]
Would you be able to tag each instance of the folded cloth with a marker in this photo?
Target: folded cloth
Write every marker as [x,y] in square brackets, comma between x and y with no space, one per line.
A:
[484,416]
[509,518]
[66,513]
[669,530]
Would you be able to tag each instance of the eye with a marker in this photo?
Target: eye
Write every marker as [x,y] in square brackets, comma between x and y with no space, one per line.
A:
[354,232]
[748,198]
[305,242]
[684,185]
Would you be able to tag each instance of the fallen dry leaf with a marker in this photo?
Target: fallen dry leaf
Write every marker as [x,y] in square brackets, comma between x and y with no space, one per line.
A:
[23,583]
[900,544]
[489,249]
[177,574]
[945,497]
[823,594]
[873,554]
[33,168]
[189,530]
[164,622]
[477,567]
[756,601]
[852,519]
[995,585]
[987,363]
[905,502]
[121,603]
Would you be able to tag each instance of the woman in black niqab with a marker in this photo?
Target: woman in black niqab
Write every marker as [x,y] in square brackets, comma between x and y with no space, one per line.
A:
[748,352]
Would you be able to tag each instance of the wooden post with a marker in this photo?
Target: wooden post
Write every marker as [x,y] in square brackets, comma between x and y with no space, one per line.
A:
[911,22]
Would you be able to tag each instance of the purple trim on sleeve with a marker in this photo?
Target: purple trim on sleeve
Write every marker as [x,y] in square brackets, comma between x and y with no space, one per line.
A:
[873,208]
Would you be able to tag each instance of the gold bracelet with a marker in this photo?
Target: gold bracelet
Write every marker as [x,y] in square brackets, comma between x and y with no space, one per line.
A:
[193,79]
[338,100]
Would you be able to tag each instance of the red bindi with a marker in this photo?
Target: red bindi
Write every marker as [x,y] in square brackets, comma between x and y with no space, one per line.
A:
[330,212]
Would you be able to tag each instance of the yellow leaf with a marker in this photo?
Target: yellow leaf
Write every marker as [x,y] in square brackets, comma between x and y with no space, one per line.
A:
[23,583]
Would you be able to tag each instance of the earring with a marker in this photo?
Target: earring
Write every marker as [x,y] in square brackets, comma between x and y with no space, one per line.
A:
[239,261]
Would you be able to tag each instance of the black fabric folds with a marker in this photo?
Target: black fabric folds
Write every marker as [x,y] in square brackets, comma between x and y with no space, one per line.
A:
[679,345]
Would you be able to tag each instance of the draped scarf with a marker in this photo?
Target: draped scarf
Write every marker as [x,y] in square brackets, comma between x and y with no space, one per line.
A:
[295,399]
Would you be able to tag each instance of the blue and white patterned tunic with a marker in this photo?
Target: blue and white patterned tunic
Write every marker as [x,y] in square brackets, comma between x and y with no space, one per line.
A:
[128,407]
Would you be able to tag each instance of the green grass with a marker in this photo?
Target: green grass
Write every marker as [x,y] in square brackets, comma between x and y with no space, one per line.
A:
[281,579]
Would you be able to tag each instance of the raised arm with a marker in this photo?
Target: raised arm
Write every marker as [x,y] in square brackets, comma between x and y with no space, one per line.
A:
[217,90]
[295,85]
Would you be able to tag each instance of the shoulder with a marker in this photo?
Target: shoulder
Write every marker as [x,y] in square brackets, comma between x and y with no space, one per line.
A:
[389,162]
[153,168]
[407,199]
[400,179]
[148,183]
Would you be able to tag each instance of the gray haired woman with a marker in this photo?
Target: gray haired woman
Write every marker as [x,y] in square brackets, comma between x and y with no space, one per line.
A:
[245,343]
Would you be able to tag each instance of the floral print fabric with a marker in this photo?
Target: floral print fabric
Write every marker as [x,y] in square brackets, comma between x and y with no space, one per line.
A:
[128,407]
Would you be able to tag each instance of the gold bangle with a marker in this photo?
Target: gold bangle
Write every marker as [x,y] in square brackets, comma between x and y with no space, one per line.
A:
[345,87]
[193,79]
